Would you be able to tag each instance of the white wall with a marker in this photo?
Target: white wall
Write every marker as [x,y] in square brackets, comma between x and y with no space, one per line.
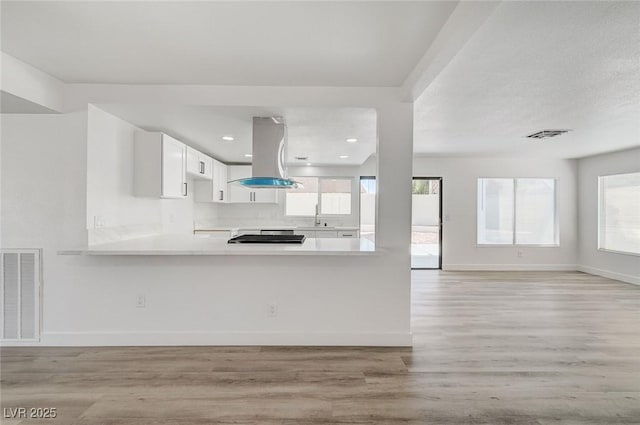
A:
[460,175]
[624,267]
[325,300]
[110,196]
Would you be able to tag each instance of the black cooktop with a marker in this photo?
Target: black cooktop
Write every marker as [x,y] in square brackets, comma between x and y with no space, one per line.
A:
[268,239]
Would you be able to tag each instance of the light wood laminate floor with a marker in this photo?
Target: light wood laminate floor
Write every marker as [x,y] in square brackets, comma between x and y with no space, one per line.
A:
[490,348]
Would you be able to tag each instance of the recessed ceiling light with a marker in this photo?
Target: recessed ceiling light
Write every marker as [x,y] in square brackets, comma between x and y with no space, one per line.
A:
[352,140]
[344,156]
[308,163]
[247,155]
[227,138]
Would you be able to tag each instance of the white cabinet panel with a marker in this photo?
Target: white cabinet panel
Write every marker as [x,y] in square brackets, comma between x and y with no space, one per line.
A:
[347,233]
[266,196]
[326,234]
[199,165]
[241,194]
[214,190]
[220,186]
[174,179]
[207,167]
[160,166]
[237,193]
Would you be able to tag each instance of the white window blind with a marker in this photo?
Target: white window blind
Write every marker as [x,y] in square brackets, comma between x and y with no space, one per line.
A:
[332,195]
[517,212]
[619,215]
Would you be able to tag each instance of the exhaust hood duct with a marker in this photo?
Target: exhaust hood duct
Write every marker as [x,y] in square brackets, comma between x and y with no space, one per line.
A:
[269,155]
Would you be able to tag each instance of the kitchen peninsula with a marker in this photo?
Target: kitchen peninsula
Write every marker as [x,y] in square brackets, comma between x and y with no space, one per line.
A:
[203,244]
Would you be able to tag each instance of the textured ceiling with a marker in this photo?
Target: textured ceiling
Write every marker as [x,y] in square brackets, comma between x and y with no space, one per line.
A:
[535,66]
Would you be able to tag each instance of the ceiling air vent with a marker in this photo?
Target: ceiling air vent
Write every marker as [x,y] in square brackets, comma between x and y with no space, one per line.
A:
[302,158]
[544,134]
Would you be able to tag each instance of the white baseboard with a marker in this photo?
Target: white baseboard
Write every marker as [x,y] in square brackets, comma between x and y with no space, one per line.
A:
[96,339]
[609,274]
[510,267]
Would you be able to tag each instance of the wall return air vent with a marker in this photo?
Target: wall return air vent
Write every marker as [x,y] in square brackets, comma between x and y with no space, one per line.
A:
[544,134]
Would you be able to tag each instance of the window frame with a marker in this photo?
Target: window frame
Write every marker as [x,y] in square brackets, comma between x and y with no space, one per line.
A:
[556,221]
[319,199]
[600,208]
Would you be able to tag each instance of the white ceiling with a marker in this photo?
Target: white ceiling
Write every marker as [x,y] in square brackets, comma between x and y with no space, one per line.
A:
[223,43]
[535,66]
[319,133]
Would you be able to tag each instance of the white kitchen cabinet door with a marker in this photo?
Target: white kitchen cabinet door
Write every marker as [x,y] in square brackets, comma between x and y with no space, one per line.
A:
[326,234]
[160,164]
[193,161]
[174,177]
[238,193]
[199,165]
[214,190]
[207,167]
[266,196]
[220,189]
[347,233]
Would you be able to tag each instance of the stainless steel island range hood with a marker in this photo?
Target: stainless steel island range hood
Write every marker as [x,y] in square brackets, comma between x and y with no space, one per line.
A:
[269,155]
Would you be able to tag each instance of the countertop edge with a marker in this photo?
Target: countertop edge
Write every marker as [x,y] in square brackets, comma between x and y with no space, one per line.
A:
[97,252]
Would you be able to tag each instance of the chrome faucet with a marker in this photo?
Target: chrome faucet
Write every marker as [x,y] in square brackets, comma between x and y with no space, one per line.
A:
[317,221]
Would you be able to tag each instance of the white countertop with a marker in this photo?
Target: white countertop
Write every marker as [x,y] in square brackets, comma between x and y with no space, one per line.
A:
[211,245]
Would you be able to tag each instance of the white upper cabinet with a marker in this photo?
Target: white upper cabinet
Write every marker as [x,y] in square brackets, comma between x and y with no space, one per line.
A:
[199,165]
[160,166]
[214,190]
[241,194]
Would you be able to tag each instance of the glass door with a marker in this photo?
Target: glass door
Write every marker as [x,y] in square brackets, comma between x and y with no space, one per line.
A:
[426,223]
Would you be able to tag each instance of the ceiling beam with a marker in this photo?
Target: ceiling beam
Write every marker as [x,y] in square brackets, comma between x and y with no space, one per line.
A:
[28,87]
[466,19]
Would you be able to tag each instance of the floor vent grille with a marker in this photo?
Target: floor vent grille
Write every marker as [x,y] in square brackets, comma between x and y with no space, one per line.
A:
[20,294]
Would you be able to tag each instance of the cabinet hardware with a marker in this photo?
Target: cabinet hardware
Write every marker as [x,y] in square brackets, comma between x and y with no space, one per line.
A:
[201,167]
[185,189]
[222,195]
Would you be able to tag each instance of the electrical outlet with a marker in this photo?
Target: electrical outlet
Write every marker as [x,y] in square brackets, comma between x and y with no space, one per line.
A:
[141,301]
[272,310]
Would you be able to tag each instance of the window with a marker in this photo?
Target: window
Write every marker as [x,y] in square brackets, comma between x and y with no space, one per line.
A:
[331,195]
[335,196]
[619,217]
[517,212]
